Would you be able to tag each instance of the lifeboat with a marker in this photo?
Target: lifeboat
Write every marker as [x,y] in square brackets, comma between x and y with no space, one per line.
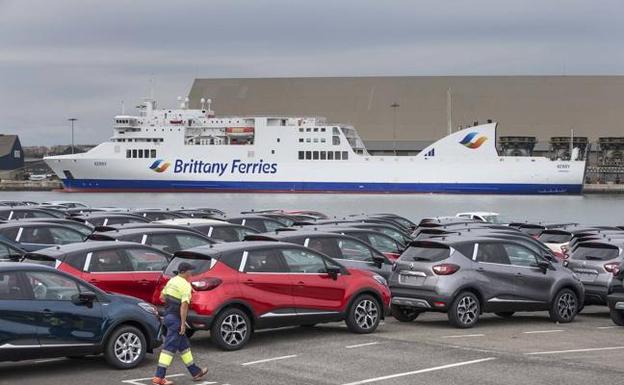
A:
[239,131]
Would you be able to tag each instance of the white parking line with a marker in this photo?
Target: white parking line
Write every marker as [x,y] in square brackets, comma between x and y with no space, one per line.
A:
[361,345]
[139,381]
[269,360]
[575,350]
[606,327]
[464,336]
[543,331]
[376,379]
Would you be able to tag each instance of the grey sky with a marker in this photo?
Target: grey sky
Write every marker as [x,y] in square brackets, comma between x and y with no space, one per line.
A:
[61,58]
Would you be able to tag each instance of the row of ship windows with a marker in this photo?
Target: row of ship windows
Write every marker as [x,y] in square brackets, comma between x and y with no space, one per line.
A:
[310,129]
[156,140]
[323,155]
[335,140]
[140,153]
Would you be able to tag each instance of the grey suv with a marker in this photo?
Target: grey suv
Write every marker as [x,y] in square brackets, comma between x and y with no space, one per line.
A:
[465,277]
[595,262]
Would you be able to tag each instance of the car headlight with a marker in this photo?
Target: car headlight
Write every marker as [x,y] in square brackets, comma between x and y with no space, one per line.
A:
[380,279]
[148,307]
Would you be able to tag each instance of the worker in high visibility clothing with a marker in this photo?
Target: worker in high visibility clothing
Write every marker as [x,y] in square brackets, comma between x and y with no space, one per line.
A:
[177,296]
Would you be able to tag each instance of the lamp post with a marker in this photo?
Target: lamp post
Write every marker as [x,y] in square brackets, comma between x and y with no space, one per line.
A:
[394,107]
[72,120]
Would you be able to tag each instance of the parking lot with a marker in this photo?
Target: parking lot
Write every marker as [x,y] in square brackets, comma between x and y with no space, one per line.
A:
[525,349]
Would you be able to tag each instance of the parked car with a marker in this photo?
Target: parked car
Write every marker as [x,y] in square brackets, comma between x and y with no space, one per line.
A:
[157,215]
[105,218]
[241,287]
[481,216]
[380,241]
[257,222]
[10,251]
[37,235]
[214,229]
[45,313]
[119,267]
[83,228]
[348,250]
[13,213]
[67,204]
[465,276]
[615,299]
[165,239]
[595,263]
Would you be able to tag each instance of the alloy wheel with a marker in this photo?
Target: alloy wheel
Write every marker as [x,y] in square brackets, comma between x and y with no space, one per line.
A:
[366,314]
[233,329]
[467,310]
[128,347]
[566,306]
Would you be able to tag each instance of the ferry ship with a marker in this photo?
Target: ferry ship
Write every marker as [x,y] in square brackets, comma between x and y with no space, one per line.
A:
[187,149]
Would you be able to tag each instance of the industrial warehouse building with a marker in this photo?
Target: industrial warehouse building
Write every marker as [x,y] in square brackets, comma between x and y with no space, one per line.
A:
[406,113]
[11,157]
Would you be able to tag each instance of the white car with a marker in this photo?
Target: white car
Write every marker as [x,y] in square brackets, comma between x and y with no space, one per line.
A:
[483,216]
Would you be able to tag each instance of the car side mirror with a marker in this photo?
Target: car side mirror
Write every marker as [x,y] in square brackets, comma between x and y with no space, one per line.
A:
[378,260]
[543,265]
[85,298]
[333,272]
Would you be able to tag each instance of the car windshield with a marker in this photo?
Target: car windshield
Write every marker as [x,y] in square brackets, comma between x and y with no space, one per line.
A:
[555,238]
[596,253]
[430,253]
[201,265]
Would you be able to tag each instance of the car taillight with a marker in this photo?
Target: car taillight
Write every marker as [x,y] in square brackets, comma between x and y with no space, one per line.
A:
[445,269]
[613,267]
[206,284]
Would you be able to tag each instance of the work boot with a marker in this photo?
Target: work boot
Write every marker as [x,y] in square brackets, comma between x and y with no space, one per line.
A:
[201,374]
[161,381]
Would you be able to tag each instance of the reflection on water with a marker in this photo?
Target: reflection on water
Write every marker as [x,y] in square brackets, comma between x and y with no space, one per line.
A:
[604,209]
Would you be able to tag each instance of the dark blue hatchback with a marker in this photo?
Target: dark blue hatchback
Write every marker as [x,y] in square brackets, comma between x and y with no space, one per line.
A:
[46,313]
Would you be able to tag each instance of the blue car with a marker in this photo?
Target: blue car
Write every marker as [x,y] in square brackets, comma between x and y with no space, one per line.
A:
[45,313]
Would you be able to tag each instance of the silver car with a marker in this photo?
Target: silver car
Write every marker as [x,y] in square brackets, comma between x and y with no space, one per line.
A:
[467,276]
[594,262]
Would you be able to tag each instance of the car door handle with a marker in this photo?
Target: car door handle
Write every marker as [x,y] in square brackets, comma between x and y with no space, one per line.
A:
[480,269]
[301,283]
[47,313]
[144,282]
[93,280]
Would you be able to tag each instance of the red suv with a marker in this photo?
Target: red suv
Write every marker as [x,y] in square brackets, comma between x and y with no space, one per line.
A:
[240,287]
[119,267]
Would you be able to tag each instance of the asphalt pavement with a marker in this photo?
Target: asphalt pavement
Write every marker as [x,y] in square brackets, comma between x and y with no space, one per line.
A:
[526,349]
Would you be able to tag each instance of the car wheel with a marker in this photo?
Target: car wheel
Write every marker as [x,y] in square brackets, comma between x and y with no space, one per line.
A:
[505,314]
[404,314]
[364,315]
[617,317]
[125,348]
[564,306]
[465,310]
[231,329]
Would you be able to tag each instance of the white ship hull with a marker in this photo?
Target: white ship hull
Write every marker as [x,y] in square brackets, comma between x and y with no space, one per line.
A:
[463,162]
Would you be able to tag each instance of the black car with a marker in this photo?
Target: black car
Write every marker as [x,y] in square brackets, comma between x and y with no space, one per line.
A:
[46,313]
[158,215]
[165,239]
[37,235]
[109,218]
[347,250]
[257,222]
[12,213]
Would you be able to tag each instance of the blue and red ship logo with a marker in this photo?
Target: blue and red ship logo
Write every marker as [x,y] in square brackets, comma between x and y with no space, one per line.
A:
[160,166]
[472,141]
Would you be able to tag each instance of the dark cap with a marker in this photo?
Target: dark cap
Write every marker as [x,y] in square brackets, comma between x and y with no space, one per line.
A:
[184,267]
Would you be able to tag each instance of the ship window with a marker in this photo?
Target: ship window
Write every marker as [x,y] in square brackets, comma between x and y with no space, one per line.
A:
[315,129]
[330,155]
[128,153]
[322,129]
[345,155]
[300,140]
[323,140]
[272,151]
[134,153]
[308,155]
[300,129]
[315,155]
[301,155]
[337,155]
[335,131]
[315,140]
[278,140]
[308,129]
[323,155]
[335,140]
[308,140]
[153,153]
